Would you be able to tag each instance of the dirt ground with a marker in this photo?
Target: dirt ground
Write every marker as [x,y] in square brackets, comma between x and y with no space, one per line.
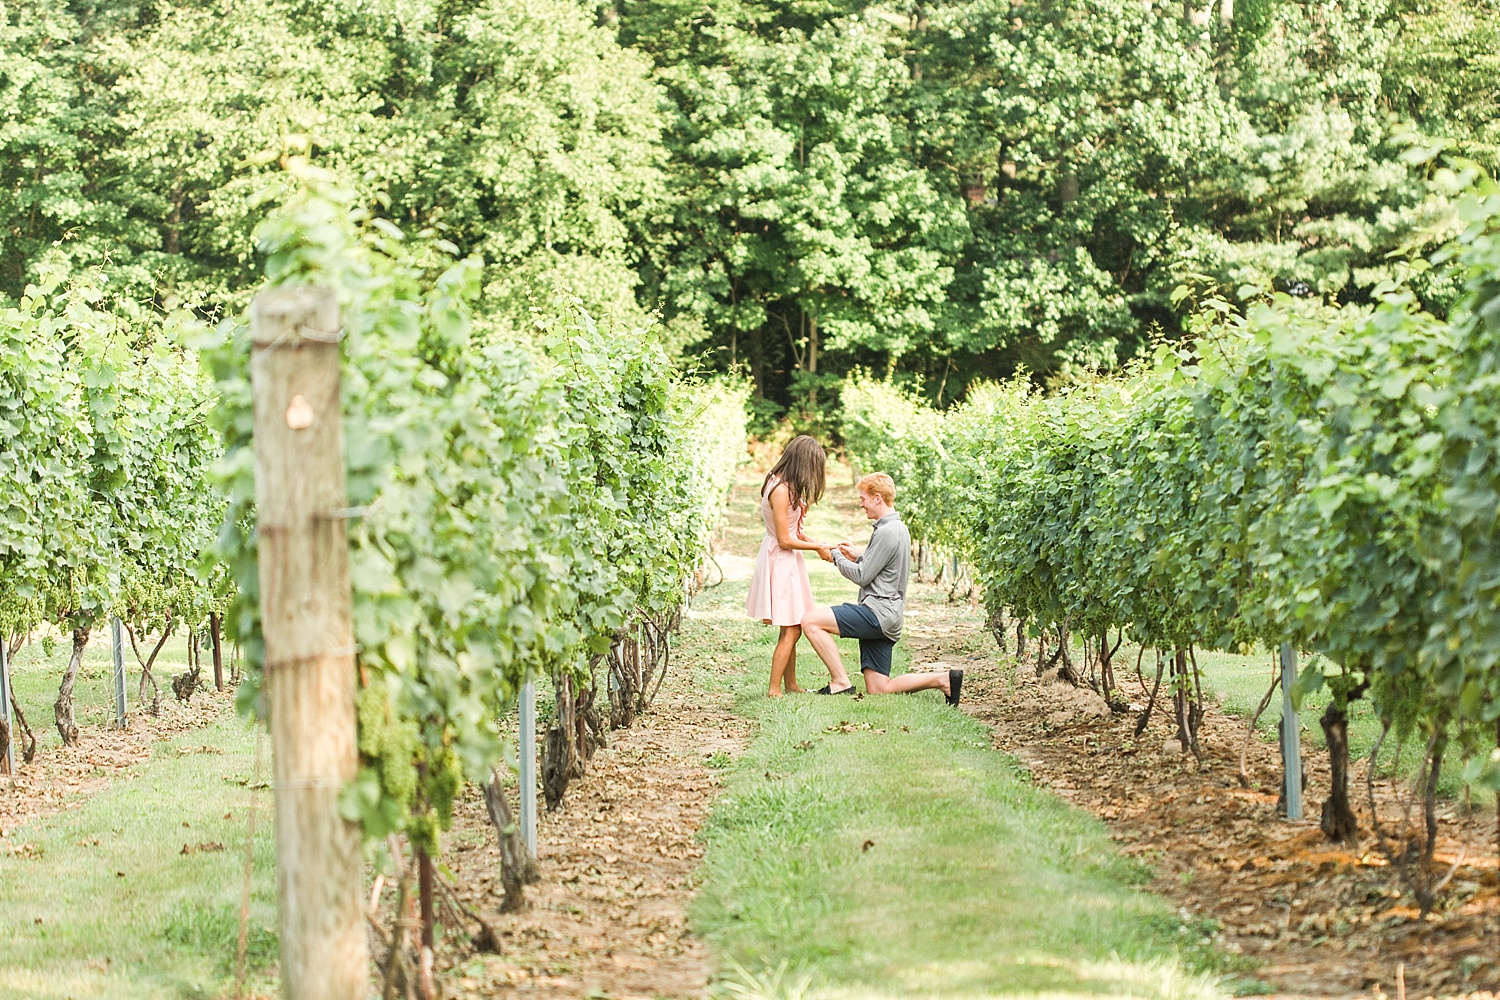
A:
[609,916]
[1310,917]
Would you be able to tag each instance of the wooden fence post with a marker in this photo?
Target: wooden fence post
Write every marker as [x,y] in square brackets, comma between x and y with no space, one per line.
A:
[309,639]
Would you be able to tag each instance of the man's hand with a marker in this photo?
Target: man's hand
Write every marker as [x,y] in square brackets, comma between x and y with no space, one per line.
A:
[825,553]
[848,551]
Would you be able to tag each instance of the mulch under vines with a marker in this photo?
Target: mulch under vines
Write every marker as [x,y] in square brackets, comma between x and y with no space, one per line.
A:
[1314,917]
[609,915]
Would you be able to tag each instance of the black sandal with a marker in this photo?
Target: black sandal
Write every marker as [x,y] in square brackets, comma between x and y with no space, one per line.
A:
[825,687]
[955,685]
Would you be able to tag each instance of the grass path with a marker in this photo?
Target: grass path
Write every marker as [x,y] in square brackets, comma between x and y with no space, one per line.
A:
[136,892]
[38,667]
[880,847]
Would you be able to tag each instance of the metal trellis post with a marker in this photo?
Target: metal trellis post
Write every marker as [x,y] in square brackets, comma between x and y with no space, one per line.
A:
[1291,735]
[117,638]
[10,753]
[528,766]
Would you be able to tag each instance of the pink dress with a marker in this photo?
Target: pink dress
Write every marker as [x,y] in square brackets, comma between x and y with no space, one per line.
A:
[779,591]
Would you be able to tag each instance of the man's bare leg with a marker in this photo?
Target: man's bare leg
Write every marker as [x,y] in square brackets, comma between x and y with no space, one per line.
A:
[819,626]
[878,683]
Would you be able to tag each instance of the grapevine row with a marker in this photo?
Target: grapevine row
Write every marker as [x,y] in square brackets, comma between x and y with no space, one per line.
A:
[533,504]
[523,504]
[1319,476]
[106,507]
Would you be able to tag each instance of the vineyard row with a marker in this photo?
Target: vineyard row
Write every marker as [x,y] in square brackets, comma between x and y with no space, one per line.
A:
[518,507]
[1317,476]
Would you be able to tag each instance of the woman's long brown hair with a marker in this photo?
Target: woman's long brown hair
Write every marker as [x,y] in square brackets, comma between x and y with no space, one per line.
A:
[801,467]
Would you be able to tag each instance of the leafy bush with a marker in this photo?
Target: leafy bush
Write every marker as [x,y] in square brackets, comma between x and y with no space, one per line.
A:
[1313,475]
[107,456]
[521,499]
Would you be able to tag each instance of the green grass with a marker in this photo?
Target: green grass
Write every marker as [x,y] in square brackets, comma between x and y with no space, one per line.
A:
[883,848]
[101,901]
[884,845]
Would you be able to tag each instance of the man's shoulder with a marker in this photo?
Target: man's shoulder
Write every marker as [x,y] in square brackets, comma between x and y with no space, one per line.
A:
[891,535]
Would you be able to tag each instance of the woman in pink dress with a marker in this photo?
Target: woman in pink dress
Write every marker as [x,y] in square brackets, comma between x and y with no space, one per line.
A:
[780,593]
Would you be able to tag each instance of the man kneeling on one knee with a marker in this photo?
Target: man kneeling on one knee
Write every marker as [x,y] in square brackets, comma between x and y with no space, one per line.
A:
[876,619]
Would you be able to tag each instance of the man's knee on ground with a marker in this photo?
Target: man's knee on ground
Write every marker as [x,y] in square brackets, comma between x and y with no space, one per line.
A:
[876,682]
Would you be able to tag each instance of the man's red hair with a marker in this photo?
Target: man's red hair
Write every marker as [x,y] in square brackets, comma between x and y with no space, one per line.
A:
[881,485]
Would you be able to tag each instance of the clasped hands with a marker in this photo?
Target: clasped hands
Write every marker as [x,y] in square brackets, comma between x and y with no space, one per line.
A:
[825,552]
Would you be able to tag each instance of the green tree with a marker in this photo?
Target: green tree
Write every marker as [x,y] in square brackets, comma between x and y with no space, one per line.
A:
[521,131]
[802,222]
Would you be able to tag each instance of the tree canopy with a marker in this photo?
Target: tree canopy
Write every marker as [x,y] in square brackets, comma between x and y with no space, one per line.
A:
[936,191]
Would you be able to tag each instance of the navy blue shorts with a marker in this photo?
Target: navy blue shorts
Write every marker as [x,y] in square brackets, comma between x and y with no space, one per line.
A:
[858,622]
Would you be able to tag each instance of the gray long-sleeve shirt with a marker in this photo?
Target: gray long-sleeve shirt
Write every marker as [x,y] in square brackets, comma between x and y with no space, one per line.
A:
[881,572]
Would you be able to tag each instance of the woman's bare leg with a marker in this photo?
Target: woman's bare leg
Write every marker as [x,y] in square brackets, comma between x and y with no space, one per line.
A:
[785,652]
[789,680]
